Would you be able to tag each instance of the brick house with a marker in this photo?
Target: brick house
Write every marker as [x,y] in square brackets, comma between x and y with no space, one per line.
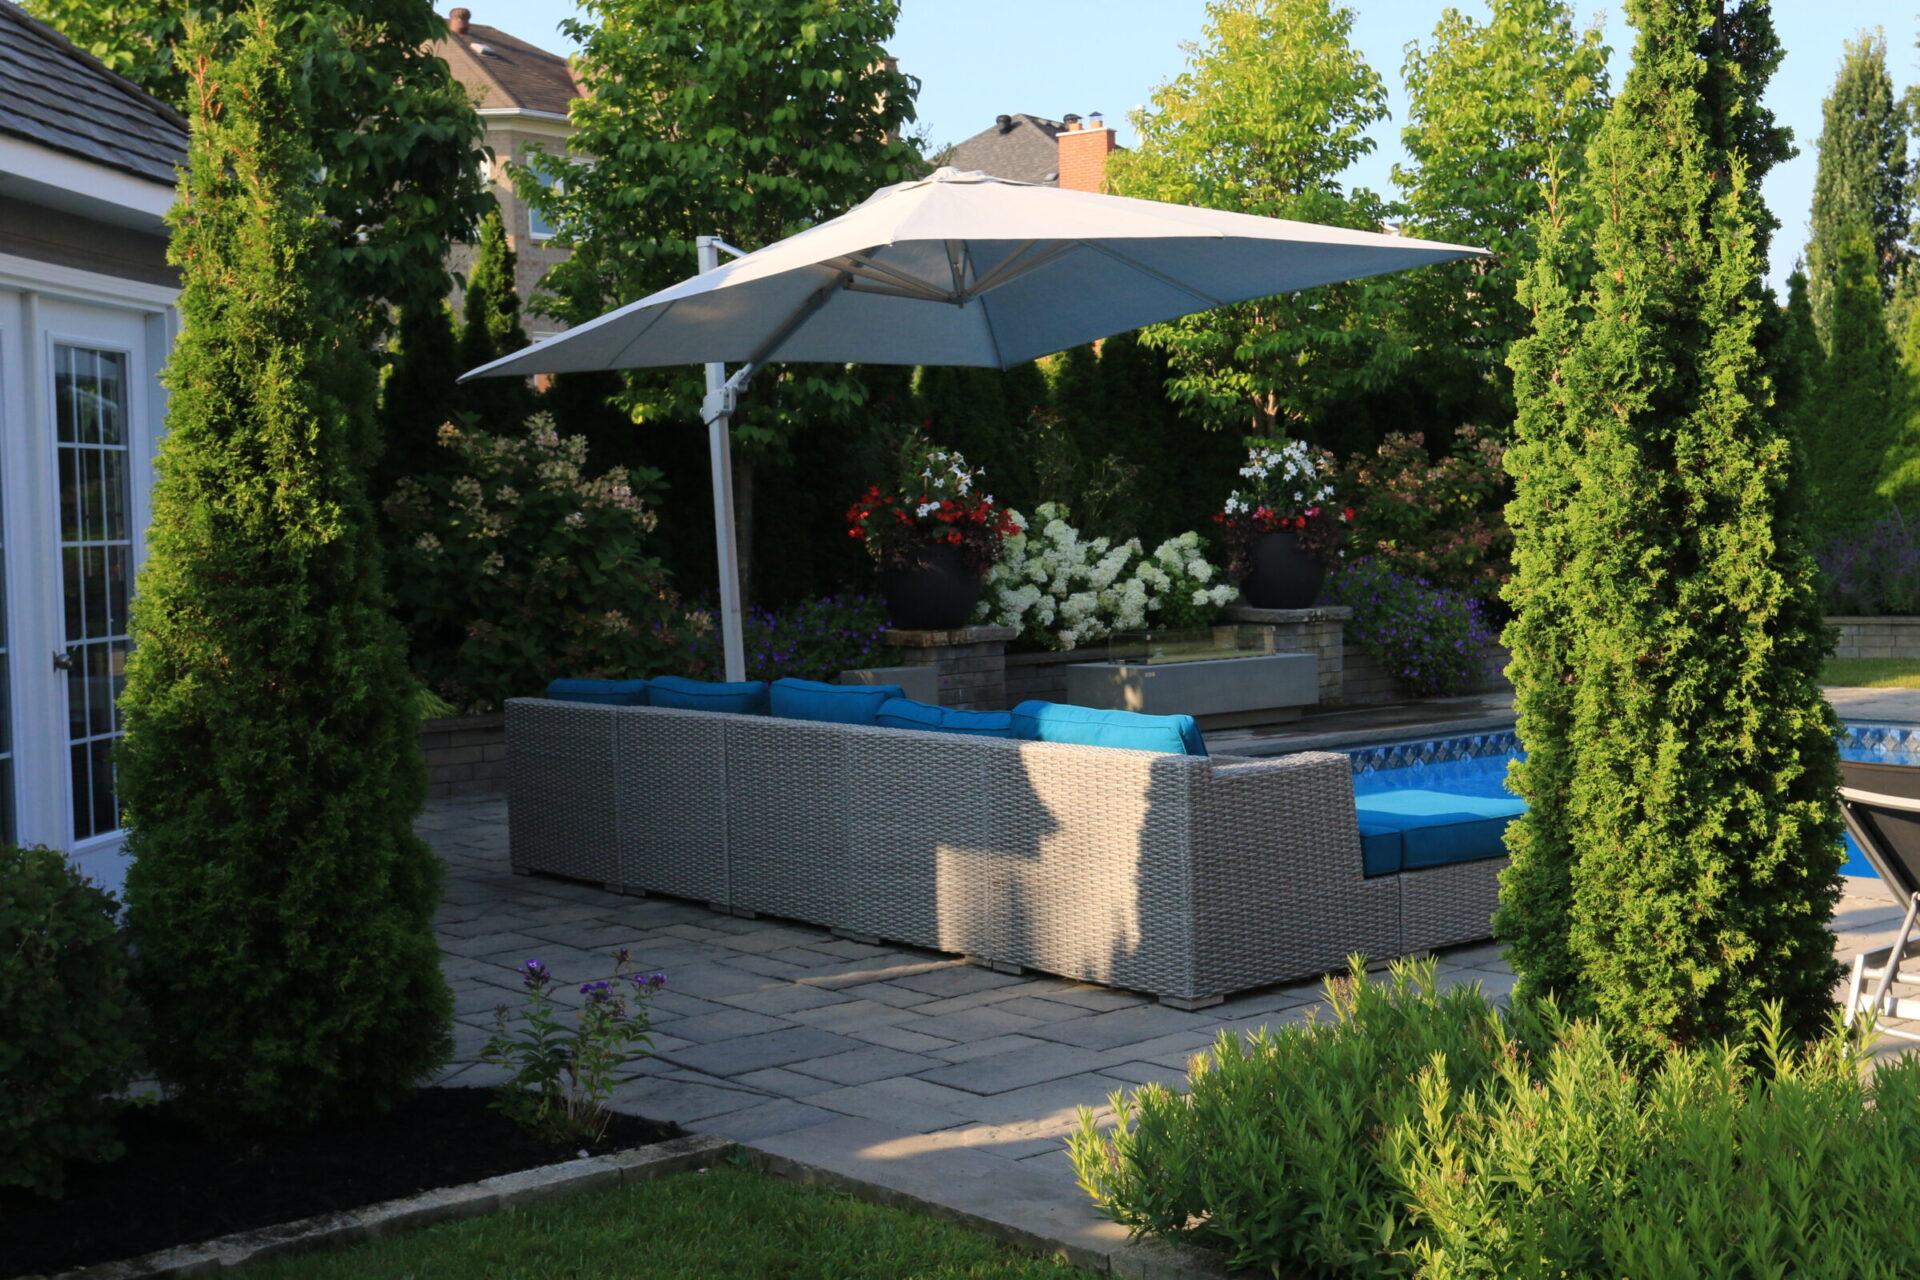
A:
[522,94]
[1070,154]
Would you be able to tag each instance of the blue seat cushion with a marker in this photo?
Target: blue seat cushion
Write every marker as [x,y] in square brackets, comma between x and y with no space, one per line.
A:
[619,693]
[834,703]
[1084,726]
[1410,829]
[905,713]
[744,697]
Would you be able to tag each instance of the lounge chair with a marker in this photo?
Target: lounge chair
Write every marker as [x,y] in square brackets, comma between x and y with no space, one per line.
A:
[1882,807]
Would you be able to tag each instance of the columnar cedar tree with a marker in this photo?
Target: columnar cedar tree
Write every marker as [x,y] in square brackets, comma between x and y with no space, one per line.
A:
[1678,862]
[279,899]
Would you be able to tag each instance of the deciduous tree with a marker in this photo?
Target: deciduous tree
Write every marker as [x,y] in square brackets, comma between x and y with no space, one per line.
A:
[1273,107]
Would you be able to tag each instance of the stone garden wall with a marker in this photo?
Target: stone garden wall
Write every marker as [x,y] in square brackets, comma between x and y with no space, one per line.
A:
[1877,637]
[466,755]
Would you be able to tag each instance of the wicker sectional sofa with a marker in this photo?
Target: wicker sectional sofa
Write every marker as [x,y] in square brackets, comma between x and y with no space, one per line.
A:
[1186,877]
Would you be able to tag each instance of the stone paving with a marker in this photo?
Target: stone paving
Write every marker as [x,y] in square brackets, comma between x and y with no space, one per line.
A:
[910,1069]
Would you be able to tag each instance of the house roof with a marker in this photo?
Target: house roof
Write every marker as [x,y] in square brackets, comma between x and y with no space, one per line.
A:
[1024,149]
[505,71]
[55,95]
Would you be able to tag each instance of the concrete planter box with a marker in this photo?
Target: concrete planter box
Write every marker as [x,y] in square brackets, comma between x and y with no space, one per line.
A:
[1218,692]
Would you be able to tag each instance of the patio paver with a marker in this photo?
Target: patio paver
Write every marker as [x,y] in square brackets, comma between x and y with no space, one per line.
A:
[901,1069]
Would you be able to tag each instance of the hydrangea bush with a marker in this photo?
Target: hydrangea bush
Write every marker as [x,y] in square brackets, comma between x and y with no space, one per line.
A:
[518,567]
[1433,640]
[1062,590]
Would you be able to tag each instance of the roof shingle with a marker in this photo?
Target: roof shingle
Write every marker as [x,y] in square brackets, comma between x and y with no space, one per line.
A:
[1025,151]
[505,71]
[54,94]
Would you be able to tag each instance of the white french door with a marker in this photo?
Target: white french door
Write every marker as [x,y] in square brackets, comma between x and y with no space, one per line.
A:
[81,407]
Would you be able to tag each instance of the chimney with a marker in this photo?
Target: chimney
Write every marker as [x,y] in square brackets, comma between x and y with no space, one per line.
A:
[457,21]
[1070,125]
[1084,152]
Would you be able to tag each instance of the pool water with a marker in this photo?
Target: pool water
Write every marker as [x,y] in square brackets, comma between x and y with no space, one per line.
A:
[1477,766]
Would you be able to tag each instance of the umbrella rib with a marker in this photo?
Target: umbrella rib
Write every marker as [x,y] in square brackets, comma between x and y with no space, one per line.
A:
[1011,267]
[1161,276]
[910,285]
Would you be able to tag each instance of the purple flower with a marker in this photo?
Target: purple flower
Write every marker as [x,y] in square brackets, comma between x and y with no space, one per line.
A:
[534,975]
[648,981]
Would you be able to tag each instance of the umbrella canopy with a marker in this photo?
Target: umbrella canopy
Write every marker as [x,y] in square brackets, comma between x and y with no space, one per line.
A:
[1012,271]
[960,269]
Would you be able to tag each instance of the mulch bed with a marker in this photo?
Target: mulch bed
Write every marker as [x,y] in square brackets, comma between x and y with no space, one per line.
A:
[174,1187]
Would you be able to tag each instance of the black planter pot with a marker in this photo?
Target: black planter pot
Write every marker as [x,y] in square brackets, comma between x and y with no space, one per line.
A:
[1283,575]
[937,593]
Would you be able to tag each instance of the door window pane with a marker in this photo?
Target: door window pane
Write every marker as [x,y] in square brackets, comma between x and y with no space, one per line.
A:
[96,552]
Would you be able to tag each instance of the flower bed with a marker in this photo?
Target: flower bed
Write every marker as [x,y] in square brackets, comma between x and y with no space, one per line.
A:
[174,1187]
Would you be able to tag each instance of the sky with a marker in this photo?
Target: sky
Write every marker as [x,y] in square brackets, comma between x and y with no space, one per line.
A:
[979,58]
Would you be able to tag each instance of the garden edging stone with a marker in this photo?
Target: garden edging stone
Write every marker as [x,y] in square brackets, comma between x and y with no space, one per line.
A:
[408,1213]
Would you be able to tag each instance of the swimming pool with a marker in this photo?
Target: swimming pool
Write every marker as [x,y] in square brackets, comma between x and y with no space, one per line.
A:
[1476,765]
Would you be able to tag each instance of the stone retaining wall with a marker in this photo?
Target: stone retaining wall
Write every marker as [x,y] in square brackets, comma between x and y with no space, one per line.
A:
[971,662]
[466,755]
[1877,637]
[1368,683]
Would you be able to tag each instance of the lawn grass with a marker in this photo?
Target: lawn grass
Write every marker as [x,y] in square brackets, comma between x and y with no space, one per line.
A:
[1872,673]
[723,1223]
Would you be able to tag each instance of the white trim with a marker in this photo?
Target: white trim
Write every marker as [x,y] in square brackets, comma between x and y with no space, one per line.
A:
[57,169]
[526,113]
[76,285]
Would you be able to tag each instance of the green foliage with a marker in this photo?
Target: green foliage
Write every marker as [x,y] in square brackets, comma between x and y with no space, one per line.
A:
[1677,862]
[1272,109]
[278,897]
[746,122]
[490,328]
[561,1079]
[1500,113]
[815,639]
[515,567]
[1437,519]
[419,394]
[1432,640]
[396,143]
[70,1032]
[1853,426]
[1861,182]
[1426,1133]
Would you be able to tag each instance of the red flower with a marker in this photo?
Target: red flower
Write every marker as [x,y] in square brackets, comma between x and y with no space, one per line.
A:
[954,537]
[853,533]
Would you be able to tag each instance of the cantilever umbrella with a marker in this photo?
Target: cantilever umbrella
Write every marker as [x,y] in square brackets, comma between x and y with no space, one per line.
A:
[960,269]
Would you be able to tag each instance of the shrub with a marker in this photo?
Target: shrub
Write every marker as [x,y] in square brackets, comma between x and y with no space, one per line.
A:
[1439,519]
[1432,640]
[280,900]
[517,567]
[1061,590]
[69,1030]
[1422,1133]
[816,639]
[1875,572]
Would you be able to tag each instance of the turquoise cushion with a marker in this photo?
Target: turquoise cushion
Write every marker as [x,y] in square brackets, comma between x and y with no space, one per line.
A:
[620,693]
[1083,726]
[746,697]
[905,713]
[1410,829]
[834,703]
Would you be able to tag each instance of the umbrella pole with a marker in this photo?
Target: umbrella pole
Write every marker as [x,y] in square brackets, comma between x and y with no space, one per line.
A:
[720,452]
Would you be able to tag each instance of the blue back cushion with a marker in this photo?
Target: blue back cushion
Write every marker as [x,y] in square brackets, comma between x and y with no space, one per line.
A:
[1086,727]
[747,697]
[1410,829]
[905,713]
[833,703]
[619,693]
